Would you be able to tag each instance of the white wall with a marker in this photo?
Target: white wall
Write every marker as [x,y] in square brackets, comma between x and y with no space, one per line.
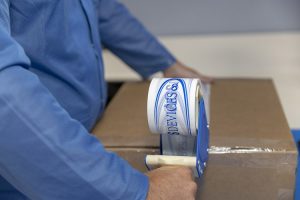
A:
[169,17]
[274,55]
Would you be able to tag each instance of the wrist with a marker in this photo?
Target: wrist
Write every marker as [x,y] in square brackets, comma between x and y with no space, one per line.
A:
[173,70]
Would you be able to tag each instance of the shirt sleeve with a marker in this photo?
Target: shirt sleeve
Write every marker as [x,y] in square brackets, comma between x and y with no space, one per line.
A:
[126,37]
[44,153]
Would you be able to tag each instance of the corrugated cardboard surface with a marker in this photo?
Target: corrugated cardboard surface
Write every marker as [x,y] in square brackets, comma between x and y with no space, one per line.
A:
[246,116]
[243,183]
[125,120]
[248,113]
[244,112]
[261,176]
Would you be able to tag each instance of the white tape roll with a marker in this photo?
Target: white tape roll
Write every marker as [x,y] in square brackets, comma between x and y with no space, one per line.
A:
[173,106]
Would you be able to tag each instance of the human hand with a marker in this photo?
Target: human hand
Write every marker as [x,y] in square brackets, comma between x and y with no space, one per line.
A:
[172,183]
[181,71]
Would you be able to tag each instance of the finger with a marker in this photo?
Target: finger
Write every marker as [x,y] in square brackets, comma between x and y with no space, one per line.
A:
[167,168]
[186,172]
[191,191]
[194,188]
[206,79]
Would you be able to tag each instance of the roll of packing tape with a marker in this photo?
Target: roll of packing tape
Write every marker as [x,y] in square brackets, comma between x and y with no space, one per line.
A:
[173,106]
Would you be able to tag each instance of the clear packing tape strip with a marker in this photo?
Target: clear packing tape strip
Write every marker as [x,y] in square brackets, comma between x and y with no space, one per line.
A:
[176,111]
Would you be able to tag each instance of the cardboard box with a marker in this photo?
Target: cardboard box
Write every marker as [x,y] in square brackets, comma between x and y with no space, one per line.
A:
[244,113]
[252,153]
[124,123]
[263,176]
[248,113]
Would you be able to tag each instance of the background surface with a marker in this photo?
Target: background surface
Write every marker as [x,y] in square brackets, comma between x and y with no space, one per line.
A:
[228,38]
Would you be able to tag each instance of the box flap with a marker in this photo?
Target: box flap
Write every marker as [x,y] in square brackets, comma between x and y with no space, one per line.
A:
[248,113]
[244,113]
[124,123]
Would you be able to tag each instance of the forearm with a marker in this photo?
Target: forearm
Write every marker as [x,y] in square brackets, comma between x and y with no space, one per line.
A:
[126,37]
[47,155]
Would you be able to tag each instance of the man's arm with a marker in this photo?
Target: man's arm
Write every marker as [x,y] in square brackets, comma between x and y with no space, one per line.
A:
[45,153]
[126,37]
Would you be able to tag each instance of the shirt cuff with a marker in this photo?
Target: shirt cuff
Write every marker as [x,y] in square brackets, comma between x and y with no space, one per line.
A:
[137,187]
[167,62]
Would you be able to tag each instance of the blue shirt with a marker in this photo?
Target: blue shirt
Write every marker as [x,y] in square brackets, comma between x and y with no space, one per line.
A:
[52,91]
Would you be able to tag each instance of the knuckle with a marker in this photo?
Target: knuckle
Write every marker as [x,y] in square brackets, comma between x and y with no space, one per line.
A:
[186,171]
[190,190]
[194,187]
